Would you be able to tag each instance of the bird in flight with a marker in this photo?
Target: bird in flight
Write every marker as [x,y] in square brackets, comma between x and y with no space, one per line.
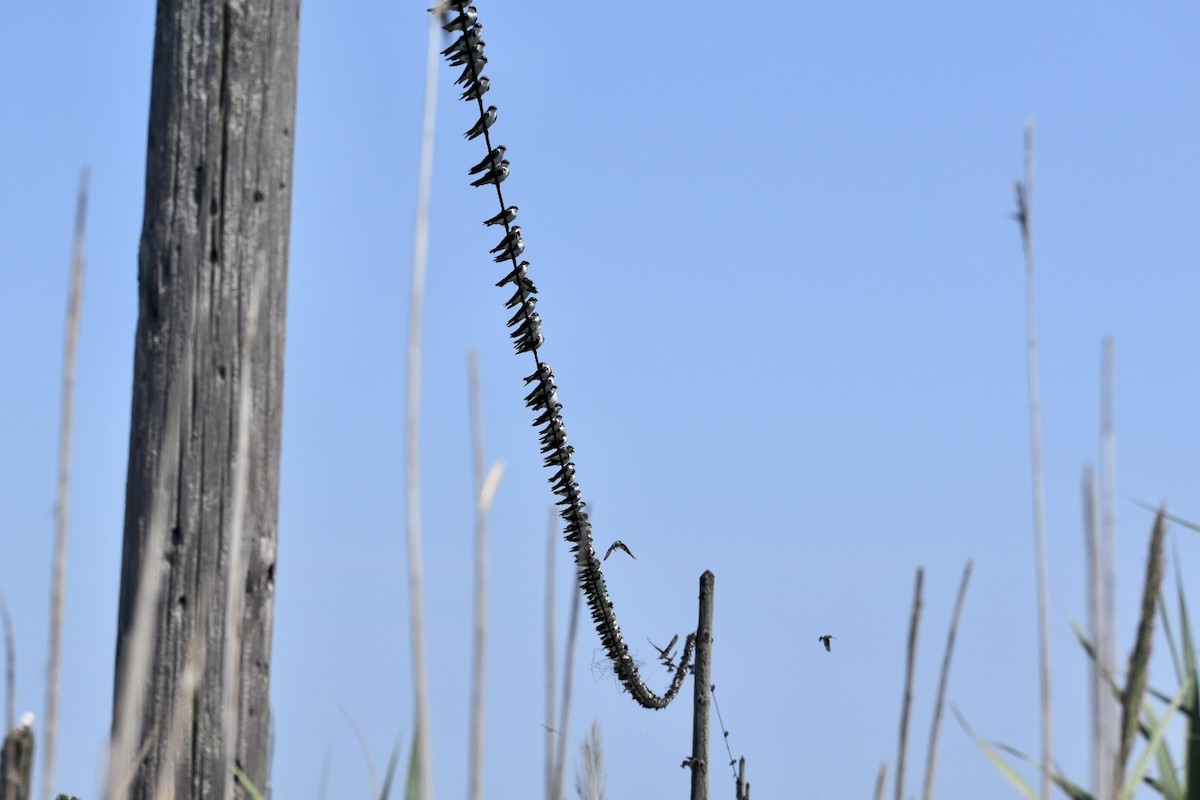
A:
[618,545]
[825,641]
[664,653]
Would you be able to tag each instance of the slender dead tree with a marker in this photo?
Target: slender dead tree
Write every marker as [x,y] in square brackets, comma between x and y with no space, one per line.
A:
[207,398]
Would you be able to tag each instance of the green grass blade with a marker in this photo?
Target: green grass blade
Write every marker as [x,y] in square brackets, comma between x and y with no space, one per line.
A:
[412,785]
[1165,618]
[1167,783]
[1139,659]
[1156,738]
[1191,705]
[391,773]
[244,781]
[998,761]
[1064,783]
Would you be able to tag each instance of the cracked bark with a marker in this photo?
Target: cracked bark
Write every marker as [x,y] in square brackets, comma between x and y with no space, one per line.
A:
[216,225]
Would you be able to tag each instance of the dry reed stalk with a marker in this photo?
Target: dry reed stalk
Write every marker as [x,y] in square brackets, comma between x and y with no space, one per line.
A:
[1024,194]
[909,672]
[485,493]
[413,416]
[1105,633]
[1102,772]
[589,776]
[58,584]
[881,781]
[943,680]
[10,668]
[549,642]
[564,720]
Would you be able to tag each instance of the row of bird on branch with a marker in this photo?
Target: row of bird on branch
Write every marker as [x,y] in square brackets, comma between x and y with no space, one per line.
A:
[468,52]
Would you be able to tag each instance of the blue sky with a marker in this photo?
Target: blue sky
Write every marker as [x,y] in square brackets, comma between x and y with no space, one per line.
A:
[783,299]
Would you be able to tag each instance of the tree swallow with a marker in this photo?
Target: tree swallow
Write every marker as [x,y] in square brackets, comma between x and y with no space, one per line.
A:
[528,336]
[618,545]
[478,90]
[464,20]
[509,214]
[485,122]
[512,244]
[825,641]
[462,57]
[466,42]
[490,161]
[530,304]
[496,175]
[471,71]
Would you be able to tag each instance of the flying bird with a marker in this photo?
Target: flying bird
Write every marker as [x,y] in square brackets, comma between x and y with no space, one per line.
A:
[495,175]
[490,161]
[449,5]
[506,216]
[664,653]
[485,122]
[478,90]
[825,641]
[619,545]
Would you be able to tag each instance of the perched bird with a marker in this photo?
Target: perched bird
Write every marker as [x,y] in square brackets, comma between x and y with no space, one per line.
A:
[462,57]
[448,5]
[526,308]
[515,247]
[486,121]
[478,90]
[471,71]
[490,161]
[509,242]
[618,545]
[509,214]
[825,641]
[544,373]
[464,20]
[496,175]
[466,42]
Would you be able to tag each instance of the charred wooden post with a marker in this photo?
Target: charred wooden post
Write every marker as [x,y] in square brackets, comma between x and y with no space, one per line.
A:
[701,687]
[208,376]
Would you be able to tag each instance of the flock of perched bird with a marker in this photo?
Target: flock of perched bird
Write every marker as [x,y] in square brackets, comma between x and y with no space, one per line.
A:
[468,52]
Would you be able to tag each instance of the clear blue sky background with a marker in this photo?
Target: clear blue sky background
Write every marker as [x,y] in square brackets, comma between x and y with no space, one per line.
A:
[783,297]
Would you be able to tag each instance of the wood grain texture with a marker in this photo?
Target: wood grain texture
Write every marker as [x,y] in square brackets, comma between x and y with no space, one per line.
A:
[216,223]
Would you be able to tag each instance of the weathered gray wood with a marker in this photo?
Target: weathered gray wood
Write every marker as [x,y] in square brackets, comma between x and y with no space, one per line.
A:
[701,683]
[216,224]
[16,764]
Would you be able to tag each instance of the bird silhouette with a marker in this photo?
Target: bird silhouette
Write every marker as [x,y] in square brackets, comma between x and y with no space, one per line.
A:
[664,653]
[618,545]
[483,124]
[825,641]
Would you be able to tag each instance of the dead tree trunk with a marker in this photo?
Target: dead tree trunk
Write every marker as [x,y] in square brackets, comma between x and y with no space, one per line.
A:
[212,276]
